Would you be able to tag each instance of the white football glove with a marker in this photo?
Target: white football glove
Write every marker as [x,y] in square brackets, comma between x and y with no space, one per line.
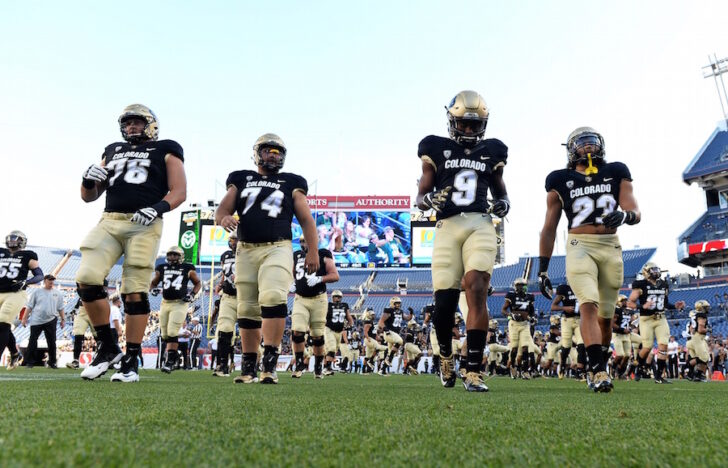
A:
[145,216]
[313,280]
[95,173]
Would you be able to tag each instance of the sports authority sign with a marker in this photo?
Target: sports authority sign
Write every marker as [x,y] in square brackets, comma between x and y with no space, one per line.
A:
[359,203]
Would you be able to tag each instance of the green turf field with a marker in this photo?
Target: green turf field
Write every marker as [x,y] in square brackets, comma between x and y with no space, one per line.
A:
[190,418]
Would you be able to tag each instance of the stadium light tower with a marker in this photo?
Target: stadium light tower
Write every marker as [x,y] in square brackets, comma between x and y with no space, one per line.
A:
[716,70]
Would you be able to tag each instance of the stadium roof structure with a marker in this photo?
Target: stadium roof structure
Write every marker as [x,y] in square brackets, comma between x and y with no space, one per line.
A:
[711,159]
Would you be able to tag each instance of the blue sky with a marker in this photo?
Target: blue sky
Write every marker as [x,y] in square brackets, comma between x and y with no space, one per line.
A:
[352,88]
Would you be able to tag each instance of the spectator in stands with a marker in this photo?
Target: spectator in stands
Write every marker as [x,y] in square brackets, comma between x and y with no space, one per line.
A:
[393,247]
[364,232]
[43,309]
[324,237]
[375,253]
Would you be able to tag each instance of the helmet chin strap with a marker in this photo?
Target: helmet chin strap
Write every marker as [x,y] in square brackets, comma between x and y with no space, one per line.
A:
[591,168]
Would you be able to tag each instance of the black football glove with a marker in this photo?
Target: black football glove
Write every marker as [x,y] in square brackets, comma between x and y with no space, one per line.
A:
[490,290]
[544,283]
[501,208]
[189,297]
[436,200]
[144,216]
[155,292]
[616,218]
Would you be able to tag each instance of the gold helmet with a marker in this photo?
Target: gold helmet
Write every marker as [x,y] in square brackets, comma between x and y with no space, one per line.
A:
[355,335]
[554,320]
[275,143]
[538,334]
[702,306]
[16,240]
[467,111]
[394,301]
[412,324]
[651,271]
[581,140]
[336,293]
[493,324]
[520,284]
[621,298]
[151,129]
[175,250]
[367,315]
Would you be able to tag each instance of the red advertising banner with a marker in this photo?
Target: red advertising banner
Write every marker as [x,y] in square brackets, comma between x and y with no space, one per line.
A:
[710,246]
[359,203]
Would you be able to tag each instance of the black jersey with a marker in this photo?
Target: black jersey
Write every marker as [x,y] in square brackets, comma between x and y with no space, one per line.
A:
[587,199]
[468,170]
[354,344]
[336,316]
[137,174]
[409,336]
[174,279]
[227,262]
[492,336]
[655,293]
[372,329]
[622,318]
[265,204]
[521,305]
[394,322]
[569,300]
[14,268]
[554,335]
[301,278]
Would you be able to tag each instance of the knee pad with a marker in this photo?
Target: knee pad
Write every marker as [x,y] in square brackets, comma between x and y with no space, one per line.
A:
[331,354]
[172,339]
[247,324]
[136,308]
[91,293]
[700,362]
[317,341]
[278,311]
[298,337]
[273,296]
[662,353]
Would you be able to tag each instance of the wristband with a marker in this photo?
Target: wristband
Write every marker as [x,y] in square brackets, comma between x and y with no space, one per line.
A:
[543,264]
[161,207]
[88,184]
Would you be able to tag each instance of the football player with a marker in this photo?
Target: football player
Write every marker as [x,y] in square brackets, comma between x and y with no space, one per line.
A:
[174,276]
[390,323]
[591,192]
[621,331]
[228,307]
[411,349]
[337,317]
[15,263]
[428,311]
[310,306]
[652,294]
[698,354]
[553,344]
[518,305]
[565,301]
[143,178]
[495,349]
[457,173]
[355,349]
[266,201]
[372,348]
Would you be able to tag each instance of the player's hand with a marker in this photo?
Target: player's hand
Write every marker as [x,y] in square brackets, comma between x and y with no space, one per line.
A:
[501,208]
[189,297]
[490,290]
[229,223]
[544,283]
[568,309]
[155,292]
[436,200]
[313,280]
[63,323]
[312,261]
[649,305]
[95,173]
[616,218]
[25,320]
[144,216]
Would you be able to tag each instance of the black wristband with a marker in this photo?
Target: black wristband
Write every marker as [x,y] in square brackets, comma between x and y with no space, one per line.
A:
[88,184]
[161,207]
[543,264]
[631,217]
